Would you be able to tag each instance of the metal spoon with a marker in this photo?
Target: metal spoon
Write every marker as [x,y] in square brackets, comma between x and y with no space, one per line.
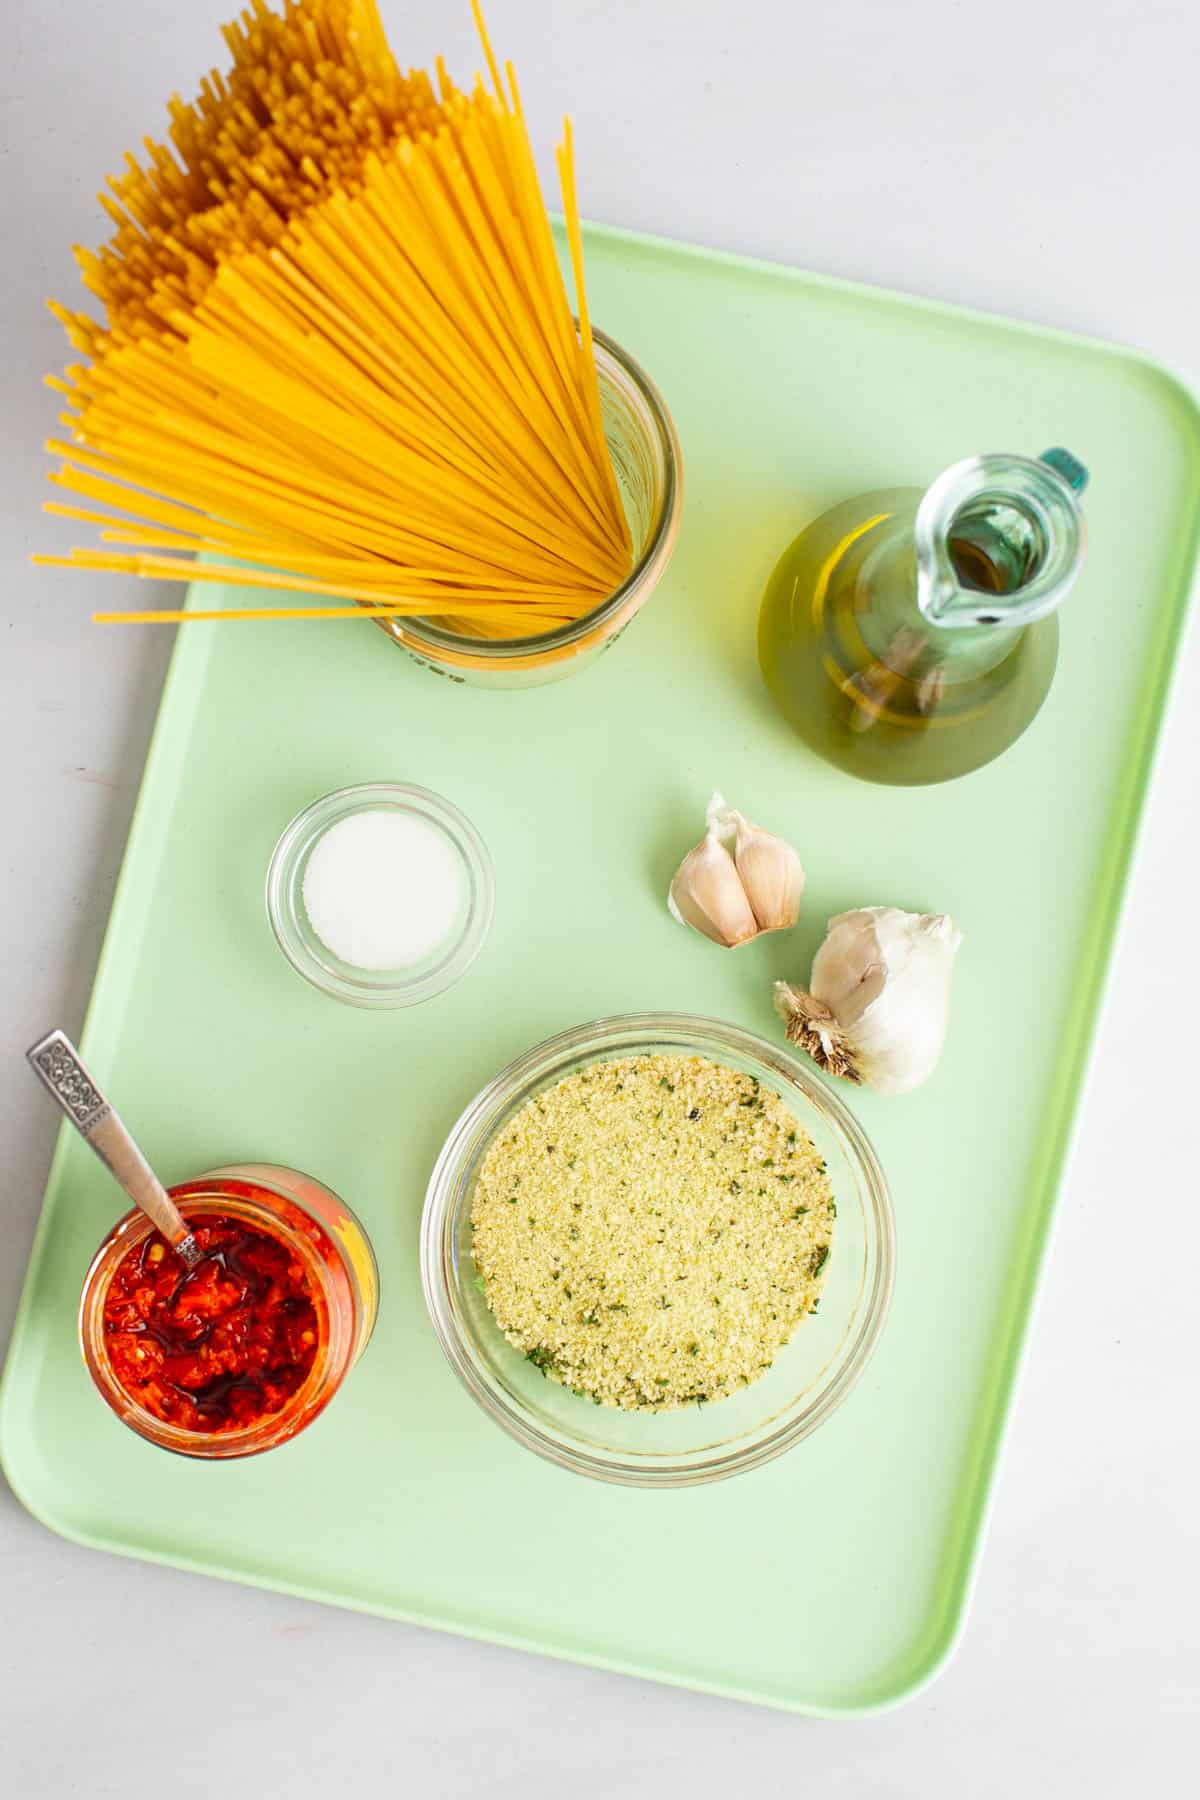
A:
[55,1061]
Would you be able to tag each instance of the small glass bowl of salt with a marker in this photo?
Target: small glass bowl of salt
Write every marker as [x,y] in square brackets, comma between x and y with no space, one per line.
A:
[381,895]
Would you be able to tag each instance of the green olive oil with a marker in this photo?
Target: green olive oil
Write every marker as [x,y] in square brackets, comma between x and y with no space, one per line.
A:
[905,659]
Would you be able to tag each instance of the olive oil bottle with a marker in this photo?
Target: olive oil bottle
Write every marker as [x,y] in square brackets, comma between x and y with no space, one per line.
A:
[910,636]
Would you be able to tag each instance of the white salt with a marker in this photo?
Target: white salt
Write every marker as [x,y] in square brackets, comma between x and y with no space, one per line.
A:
[383,889]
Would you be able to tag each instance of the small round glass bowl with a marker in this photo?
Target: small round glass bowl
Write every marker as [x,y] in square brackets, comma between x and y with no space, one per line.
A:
[648,464]
[407,986]
[809,1378]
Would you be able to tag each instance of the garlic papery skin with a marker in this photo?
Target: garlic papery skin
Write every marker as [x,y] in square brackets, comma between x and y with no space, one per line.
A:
[707,894]
[738,882]
[877,1004]
[771,874]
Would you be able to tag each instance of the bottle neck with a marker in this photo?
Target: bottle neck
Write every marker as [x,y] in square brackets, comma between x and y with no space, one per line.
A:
[999,541]
[897,632]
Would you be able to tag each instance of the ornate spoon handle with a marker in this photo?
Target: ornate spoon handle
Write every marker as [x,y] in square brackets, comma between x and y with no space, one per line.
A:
[55,1061]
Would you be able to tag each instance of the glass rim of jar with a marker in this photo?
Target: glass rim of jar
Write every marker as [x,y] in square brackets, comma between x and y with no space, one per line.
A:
[610,358]
[214,1195]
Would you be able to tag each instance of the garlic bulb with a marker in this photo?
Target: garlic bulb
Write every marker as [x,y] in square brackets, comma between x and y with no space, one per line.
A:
[739,880]
[877,1003]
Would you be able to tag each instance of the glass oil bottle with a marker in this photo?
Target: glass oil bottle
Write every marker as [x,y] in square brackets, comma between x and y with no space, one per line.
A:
[911,636]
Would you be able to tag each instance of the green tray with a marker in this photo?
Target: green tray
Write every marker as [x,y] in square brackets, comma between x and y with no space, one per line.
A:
[834,1580]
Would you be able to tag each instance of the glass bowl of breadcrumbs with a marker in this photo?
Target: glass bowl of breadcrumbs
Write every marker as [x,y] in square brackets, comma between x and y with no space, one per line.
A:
[657,1250]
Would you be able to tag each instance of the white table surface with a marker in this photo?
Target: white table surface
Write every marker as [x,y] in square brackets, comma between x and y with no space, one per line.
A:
[1037,158]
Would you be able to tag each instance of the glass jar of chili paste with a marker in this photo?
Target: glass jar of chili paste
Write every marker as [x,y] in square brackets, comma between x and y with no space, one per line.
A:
[244,1350]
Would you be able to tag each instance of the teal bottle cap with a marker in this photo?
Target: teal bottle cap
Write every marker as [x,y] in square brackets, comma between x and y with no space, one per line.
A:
[1068,466]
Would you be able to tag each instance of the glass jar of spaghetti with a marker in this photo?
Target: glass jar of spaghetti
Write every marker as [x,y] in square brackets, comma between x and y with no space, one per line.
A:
[648,465]
[244,1350]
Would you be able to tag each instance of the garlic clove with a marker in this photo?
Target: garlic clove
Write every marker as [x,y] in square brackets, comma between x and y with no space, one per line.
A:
[850,969]
[738,881]
[879,996]
[707,894]
[772,876]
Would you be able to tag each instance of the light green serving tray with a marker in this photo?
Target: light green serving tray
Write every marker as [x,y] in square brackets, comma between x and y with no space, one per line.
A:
[834,1580]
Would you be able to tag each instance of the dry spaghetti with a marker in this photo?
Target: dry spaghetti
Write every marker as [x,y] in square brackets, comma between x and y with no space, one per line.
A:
[337,345]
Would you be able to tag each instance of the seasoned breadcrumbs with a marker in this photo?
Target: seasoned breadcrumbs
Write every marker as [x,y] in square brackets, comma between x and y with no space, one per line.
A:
[651,1230]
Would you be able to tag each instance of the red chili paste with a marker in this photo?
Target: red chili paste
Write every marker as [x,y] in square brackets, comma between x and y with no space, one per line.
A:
[221,1345]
